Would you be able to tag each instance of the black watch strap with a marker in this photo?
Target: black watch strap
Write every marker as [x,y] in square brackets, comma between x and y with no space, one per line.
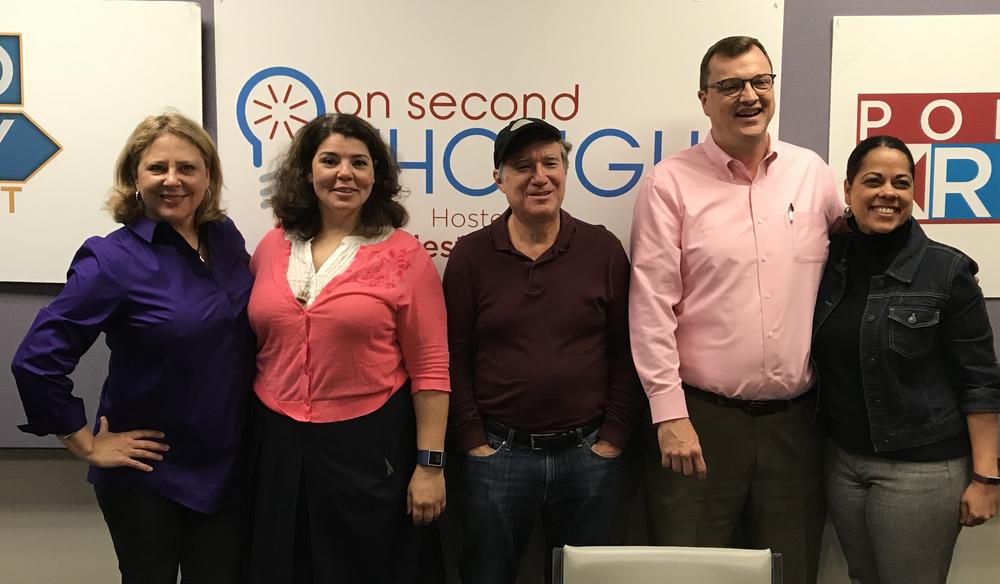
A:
[986,480]
[432,458]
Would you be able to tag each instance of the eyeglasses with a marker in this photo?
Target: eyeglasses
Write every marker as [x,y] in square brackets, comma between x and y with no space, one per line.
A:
[760,83]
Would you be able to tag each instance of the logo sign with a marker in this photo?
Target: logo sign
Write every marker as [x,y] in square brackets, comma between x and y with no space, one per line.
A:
[24,147]
[10,70]
[276,98]
[955,139]
[275,102]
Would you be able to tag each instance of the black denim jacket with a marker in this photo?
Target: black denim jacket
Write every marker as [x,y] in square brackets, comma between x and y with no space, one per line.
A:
[927,355]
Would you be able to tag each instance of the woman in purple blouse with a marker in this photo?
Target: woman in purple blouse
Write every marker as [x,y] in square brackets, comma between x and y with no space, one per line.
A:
[169,289]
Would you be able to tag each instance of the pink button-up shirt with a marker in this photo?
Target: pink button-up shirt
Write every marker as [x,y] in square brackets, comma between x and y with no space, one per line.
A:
[725,271]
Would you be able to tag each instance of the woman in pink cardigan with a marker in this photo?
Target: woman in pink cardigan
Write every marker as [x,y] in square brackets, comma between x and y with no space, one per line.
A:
[352,371]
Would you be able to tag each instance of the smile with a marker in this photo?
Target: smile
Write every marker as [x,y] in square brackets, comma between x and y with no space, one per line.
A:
[749,113]
[885,210]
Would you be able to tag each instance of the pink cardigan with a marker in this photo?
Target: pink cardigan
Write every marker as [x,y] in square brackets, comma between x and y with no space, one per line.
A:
[372,327]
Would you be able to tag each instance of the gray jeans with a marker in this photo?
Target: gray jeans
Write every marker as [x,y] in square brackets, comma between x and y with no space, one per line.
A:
[897,521]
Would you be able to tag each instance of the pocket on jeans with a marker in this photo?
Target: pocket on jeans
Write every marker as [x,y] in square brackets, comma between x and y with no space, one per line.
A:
[497,444]
[589,442]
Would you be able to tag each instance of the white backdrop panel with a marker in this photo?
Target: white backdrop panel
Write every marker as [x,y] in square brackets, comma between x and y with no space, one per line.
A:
[91,71]
[620,79]
[934,82]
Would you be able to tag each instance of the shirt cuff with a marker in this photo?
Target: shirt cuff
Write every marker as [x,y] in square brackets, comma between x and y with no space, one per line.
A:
[668,406]
[467,436]
[615,433]
[60,423]
[430,383]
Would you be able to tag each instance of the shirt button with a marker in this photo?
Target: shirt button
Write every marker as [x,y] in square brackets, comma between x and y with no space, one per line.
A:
[763,258]
[767,295]
[760,220]
[770,335]
[912,319]
[869,318]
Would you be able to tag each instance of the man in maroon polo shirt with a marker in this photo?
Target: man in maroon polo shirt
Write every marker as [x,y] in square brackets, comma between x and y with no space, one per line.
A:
[544,391]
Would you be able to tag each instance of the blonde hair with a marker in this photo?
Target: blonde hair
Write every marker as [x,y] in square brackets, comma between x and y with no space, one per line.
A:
[122,201]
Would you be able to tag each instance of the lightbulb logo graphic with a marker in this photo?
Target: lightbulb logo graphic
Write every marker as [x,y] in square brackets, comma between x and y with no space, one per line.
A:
[272,105]
[276,99]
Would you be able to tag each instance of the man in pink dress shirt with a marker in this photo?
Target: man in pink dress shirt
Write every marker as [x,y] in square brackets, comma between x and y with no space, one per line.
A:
[729,239]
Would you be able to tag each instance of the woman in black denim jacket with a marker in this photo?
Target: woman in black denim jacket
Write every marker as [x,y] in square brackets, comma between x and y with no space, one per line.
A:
[910,385]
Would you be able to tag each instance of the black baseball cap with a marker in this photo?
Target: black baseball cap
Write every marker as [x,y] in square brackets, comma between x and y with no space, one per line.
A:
[508,137]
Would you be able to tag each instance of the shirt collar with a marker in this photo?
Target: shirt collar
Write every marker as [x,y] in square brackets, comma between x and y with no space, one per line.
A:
[144,227]
[500,237]
[147,228]
[348,239]
[727,163]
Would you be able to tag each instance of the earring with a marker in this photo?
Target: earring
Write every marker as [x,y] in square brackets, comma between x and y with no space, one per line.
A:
[848,213]
[208,193]
[138,198]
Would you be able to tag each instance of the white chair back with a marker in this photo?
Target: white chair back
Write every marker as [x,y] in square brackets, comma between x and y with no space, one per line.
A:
[662,565]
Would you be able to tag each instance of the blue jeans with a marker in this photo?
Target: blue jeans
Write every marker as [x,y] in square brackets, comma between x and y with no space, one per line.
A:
[573,489]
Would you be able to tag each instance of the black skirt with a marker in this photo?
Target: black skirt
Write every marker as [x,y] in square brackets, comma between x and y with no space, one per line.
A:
[329,500]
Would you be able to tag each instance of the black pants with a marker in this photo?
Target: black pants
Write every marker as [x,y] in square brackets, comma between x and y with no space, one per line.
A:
[153,536]
[330,500]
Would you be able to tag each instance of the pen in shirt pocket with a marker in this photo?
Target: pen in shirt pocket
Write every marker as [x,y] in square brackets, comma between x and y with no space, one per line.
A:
[791,213]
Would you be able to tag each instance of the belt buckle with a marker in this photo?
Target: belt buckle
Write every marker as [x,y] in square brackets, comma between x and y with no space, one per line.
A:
[758,407]
[542,437]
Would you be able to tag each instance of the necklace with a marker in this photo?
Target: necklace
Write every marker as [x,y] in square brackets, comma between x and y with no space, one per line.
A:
[202,249]
[306,291]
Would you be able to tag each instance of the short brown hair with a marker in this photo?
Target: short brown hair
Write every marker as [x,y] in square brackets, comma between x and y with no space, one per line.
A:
[122,201]
[294,201]
[733,46]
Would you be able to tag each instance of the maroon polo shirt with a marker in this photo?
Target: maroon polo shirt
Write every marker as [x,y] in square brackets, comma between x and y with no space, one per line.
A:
[540,345]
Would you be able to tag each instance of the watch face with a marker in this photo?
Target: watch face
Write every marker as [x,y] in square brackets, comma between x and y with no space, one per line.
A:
[435,458]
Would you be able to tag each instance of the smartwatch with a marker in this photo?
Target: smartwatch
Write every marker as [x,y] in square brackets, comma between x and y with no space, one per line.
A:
[986,480]
[432,458]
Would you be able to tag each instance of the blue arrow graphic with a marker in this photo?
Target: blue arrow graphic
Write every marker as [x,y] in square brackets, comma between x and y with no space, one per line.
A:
[24,147]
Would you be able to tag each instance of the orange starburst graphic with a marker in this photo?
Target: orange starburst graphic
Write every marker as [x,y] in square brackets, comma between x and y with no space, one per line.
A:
[278,112]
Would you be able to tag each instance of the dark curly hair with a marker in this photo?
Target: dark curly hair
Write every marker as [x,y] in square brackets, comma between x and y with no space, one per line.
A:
[294,201]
